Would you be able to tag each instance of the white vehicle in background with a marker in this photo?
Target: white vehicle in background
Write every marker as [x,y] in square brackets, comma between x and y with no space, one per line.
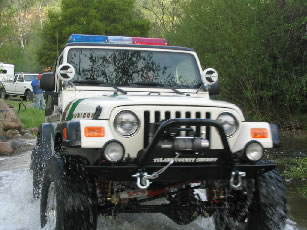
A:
[6,72]
[20,85]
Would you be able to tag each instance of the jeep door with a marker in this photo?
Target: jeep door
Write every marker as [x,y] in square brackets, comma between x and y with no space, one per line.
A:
[20,85]
[10,86]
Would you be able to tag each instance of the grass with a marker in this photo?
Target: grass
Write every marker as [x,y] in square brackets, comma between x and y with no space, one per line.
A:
[29,116]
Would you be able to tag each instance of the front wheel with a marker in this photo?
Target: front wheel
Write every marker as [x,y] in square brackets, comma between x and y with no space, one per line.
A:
[266,211]
[3,94]
[28,96]
[37,166]
[68,198]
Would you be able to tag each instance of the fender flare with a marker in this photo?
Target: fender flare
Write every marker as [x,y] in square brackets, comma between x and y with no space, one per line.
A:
[47,138]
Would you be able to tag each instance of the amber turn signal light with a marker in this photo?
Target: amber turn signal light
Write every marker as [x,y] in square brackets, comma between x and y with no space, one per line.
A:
[94,131]
[259,133]
[65,133]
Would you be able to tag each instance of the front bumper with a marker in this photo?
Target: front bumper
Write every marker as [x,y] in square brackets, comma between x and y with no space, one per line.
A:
[226,163]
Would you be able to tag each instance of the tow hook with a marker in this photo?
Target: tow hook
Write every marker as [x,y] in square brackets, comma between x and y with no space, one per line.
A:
[236,179]
[142,178]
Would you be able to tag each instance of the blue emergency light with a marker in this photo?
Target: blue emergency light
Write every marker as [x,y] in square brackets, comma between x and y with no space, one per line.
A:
[87,38]
[116,39]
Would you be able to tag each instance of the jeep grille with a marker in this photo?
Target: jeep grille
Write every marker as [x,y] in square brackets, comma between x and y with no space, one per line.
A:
[154,116]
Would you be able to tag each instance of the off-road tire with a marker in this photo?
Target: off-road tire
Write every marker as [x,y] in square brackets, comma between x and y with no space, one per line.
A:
[28,96]
[37,169]
[268,210]
[76,198]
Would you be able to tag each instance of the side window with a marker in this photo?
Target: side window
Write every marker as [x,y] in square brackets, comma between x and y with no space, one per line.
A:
[16,77]
[20,78]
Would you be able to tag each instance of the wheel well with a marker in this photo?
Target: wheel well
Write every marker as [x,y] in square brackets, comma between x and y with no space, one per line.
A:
[28,90]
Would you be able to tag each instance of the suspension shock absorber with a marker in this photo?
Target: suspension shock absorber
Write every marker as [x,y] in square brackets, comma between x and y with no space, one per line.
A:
[104,188]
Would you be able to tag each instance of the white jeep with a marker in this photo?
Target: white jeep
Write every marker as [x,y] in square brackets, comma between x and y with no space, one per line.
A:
[19,86]
[130,121]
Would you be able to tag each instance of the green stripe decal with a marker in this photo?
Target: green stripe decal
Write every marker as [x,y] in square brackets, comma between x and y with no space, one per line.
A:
[72,109]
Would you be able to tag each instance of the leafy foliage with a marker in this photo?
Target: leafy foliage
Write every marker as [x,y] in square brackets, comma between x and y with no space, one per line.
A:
[163,13]
[108,17]
[257,46]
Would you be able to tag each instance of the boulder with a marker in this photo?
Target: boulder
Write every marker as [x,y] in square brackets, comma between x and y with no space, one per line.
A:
[34,131]
[8,117]
[17,136]
[6,148]
[11,125]
[28,136]
[11,133]
[3,138]
[15,144]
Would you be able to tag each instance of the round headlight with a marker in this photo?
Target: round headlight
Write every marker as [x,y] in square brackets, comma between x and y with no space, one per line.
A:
[254,151]
[229,123]
[113,151]
[126,123]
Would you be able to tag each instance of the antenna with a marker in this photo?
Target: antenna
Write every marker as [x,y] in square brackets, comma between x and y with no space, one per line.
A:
[57,43]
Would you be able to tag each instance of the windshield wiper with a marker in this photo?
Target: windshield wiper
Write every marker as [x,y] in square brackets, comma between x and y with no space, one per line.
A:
[95,82]
[147,83]
[156,84]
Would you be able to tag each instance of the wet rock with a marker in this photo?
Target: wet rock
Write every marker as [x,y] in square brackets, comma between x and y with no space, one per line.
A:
[2,138]
[15,144]
[6,148]
[28,136]
[22,131]
[17,136]
[11,125]
[12,133]
[8,118]
[34,131]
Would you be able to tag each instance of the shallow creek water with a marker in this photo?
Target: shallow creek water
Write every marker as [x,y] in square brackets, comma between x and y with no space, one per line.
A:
[19,211]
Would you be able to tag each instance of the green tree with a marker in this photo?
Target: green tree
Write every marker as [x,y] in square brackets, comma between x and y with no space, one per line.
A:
[109,17]
[163,13]
[257,46]
[7,43]
[20,32]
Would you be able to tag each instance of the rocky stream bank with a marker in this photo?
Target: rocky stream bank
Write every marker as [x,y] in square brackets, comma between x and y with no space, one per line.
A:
[13,136]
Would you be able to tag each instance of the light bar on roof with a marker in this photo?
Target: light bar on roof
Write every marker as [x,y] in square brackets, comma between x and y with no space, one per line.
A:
[120,39]
[87,38]
[116,40]
[149,41]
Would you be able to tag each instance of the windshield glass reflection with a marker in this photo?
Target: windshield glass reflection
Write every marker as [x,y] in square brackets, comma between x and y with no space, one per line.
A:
[134,67]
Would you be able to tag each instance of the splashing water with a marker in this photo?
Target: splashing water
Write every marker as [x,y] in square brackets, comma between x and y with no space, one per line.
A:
[19,211]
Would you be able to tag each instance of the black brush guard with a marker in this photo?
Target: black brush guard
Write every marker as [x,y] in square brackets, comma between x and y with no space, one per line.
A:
[222,169]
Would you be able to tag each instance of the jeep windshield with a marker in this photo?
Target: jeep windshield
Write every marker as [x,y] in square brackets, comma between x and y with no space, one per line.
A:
[137,68]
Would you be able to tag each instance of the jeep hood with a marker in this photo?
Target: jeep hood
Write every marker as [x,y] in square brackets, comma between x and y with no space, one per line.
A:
[85,106]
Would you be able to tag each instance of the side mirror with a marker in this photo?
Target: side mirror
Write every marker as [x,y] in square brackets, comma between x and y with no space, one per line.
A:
[47,81]
[210,79]
[65,72]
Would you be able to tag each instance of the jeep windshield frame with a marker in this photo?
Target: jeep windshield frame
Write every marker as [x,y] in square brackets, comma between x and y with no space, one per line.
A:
[126,67]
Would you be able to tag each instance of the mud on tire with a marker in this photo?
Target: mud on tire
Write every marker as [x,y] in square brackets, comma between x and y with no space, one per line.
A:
[37,167]
[268,210]
[75,195]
